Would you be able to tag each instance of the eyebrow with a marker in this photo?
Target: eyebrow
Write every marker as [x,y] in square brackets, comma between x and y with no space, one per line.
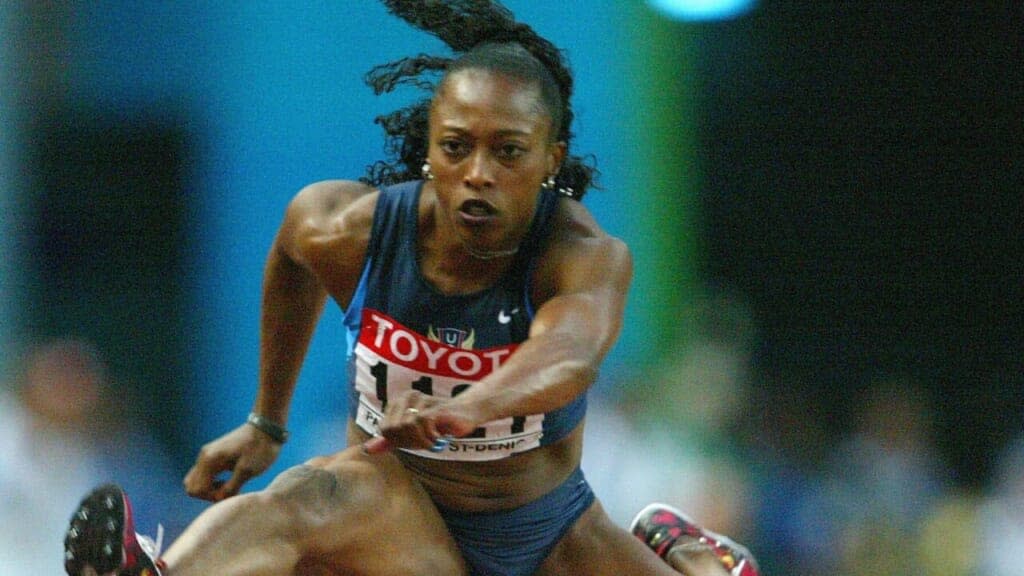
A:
[502,133]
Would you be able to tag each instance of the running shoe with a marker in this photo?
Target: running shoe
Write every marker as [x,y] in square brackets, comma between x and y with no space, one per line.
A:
[660,526]
[101,535]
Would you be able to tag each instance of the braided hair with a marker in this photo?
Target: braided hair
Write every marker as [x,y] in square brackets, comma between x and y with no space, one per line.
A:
[482,34]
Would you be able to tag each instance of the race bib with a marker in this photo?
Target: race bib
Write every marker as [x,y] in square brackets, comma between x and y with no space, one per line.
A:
[391,360]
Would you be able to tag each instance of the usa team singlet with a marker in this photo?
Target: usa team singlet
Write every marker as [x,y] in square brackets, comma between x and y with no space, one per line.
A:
[403,334]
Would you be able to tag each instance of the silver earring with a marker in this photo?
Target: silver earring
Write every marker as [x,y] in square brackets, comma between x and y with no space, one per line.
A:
[549,184]
[427,174]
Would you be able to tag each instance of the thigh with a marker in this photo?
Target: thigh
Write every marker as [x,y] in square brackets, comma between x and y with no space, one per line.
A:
[596,546]
[369,517]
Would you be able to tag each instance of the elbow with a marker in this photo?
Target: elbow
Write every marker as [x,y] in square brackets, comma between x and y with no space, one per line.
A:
[578,362]
[579,375]
[585,373]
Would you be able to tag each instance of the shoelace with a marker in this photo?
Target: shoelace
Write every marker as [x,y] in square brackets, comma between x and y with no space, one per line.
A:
[150,546]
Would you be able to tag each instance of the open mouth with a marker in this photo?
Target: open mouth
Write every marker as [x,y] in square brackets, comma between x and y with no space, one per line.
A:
[477,212]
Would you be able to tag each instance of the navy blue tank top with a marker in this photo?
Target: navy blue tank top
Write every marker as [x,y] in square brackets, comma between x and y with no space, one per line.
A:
[403,334]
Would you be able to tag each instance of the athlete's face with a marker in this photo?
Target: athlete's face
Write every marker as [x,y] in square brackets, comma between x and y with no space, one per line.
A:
[490,151]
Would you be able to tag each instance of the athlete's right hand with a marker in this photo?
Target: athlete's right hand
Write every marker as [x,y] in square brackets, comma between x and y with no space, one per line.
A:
[244,452]
[417,421]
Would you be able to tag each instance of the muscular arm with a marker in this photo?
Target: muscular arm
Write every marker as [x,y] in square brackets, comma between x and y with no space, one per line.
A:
[581,285]
[587,274]
[316,253]
[293,299]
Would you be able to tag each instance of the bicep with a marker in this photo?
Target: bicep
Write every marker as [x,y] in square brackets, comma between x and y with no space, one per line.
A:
[588,297]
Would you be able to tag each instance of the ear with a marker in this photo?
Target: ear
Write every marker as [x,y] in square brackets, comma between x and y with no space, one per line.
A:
[556,154]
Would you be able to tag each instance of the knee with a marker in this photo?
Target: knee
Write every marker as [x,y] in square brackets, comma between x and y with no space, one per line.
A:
[302,492]
[312,492]
[305,482]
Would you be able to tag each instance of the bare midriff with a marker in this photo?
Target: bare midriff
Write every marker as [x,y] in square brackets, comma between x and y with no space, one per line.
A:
[496,484]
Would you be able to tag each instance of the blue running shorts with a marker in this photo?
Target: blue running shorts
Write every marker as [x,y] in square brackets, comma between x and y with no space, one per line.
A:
[515,542]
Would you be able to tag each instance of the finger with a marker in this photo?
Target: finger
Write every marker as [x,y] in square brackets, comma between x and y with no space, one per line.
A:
[234,484]
[409,427]
[214,492]
[443,429]
[199,482]
[430,428]
[438,435]
[376,445]
[425,429]
[447,424]
[410,415]
[441,444]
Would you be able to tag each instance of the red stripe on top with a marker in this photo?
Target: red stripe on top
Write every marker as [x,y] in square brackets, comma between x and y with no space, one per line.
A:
[403,346]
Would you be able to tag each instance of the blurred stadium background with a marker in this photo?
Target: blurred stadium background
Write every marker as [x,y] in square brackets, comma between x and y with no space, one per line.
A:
[825,348]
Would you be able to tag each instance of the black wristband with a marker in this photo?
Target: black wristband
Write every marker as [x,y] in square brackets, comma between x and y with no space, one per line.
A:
[276,432]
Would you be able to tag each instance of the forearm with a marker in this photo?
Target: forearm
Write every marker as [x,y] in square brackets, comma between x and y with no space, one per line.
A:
[544,374]
[293,300]
[569,338]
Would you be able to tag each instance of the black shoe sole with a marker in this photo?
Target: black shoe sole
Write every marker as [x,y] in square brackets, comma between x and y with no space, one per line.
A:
[95,536]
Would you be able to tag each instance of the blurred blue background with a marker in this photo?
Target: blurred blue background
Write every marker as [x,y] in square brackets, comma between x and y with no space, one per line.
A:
[823,352]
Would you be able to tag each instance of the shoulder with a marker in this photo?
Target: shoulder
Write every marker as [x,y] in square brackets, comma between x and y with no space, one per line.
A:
[580,254]
[576,230]
[328,198]
[327,225]
[328,208]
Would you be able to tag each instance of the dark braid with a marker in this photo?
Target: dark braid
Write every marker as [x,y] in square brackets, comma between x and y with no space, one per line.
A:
[475,30]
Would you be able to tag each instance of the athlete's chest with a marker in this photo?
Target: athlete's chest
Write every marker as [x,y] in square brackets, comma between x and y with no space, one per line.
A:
[441,357]
[495,315]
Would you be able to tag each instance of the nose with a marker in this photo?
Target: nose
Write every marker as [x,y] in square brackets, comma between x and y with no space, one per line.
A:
[479,171]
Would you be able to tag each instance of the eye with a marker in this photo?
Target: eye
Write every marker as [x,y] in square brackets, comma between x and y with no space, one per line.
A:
[510,151]
[453,147]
